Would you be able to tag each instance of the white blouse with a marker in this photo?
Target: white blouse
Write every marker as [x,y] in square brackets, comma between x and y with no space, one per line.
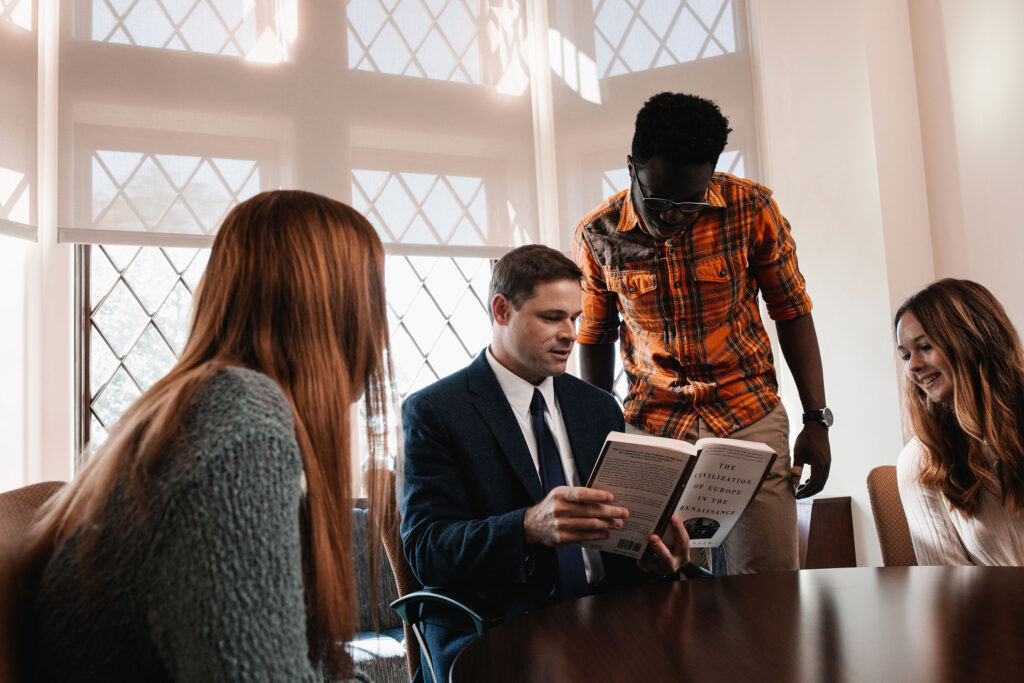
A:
[942,535]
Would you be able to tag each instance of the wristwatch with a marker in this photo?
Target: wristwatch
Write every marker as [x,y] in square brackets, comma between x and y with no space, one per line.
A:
[824,416]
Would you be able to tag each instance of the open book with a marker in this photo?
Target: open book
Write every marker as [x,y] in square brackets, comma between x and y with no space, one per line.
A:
[708,484]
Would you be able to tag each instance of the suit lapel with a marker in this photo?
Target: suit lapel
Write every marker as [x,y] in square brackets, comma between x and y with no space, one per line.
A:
[494,409]
[585,446]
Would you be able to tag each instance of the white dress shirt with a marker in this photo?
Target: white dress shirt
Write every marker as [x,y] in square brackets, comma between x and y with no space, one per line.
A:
[519,394]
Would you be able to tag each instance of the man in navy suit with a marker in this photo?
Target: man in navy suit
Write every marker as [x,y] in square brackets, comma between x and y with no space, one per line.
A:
[495,456]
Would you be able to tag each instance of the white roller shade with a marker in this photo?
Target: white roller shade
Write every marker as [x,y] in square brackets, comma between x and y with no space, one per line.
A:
[417,113]
[18,139]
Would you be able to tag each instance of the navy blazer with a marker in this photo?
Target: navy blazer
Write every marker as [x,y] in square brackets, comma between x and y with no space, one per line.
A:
[468,479]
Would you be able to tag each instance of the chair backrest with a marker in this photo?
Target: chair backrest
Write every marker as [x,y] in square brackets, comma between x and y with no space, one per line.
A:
[405,580]
[890,520]
[386,589]
[17,509]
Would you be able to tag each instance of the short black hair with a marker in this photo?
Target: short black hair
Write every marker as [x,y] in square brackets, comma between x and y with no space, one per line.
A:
[517,273]
[680,128]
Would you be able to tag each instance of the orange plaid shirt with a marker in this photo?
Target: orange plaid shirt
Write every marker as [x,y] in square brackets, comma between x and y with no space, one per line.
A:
[692,338]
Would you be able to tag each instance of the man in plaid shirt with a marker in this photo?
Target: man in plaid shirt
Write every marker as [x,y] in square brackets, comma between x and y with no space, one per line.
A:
[681,256]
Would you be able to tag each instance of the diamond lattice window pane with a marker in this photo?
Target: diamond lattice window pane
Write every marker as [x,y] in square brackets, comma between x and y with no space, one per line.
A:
[407,358]
[731,161]
[424,320]
[478,273]
[621,385]
[167,193]
[209,196]
[239,28]
[181,258]
[647,34]
[614,181]
[121,319]
[142,307]
[17,12]
[175,315]
[440,300]
[115,398]
[424,378]
[403,283]
[470,318]
[438,317]
[447,285]
[442,40]
[449,354]
[102,362]
[151,277]
[423,208]
[102,279]
[150,359]
[97,434]
[395,208]
[195,271]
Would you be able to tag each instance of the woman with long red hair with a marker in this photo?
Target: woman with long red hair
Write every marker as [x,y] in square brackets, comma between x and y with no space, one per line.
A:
[210,537]
[961,477]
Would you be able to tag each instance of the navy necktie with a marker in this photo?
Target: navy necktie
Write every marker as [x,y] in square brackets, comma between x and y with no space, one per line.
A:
[572,577]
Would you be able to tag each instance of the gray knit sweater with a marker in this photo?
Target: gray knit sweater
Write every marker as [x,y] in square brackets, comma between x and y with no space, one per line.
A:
[205,582]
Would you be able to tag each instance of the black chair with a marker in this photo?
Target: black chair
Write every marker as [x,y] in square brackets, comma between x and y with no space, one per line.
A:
[380,654]
[413,597]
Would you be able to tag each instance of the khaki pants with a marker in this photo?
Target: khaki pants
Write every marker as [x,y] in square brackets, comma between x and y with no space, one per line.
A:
[765,536]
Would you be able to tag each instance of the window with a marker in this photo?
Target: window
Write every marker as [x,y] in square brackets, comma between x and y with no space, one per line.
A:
[447,40]
[644,34]
[140,303]
[255,29]
[419,113]
[17,12]
[437,314]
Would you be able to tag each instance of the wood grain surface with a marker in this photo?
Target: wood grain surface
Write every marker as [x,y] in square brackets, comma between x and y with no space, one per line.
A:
[857,624]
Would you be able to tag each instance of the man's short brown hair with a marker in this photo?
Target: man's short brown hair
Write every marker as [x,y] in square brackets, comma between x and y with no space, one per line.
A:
[517,273]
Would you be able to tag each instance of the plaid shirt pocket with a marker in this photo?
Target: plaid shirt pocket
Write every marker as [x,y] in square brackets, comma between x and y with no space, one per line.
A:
[720,281]
[638,293]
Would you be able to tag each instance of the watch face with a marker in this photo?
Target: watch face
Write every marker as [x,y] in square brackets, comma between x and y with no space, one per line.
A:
[826,417]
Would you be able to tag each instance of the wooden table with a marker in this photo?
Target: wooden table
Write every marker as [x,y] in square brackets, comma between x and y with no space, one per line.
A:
[861,624]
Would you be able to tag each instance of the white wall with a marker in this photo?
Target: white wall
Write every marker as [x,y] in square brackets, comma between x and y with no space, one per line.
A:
[818,129]
[968,57]
[892,139]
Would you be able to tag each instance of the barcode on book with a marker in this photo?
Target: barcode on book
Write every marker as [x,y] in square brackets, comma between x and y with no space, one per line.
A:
[626,544]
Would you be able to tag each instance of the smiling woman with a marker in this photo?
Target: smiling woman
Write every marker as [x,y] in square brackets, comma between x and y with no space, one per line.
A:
[926,367]
[962,477]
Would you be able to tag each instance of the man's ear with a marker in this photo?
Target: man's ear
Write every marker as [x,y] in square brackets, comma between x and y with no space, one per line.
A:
[501,309]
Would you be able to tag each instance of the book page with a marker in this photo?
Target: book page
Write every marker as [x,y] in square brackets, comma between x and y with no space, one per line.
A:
[723,481]
[642,473]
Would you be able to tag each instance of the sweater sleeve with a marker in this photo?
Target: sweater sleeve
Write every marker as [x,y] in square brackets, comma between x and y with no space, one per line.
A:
[935,539]
[227,601]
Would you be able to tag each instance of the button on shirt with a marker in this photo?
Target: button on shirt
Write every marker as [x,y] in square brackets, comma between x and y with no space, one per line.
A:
[519,393]
[692,339]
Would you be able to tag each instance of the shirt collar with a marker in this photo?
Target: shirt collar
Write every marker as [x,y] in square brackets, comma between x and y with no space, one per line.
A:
[517,390]
[629,219]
